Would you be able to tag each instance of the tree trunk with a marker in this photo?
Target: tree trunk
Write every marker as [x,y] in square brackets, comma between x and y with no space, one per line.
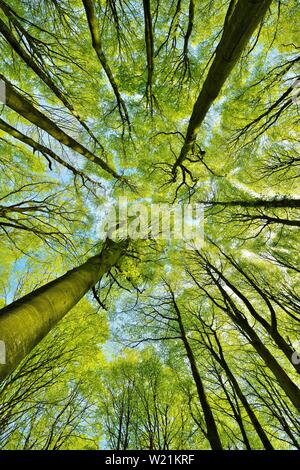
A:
[149,52]
[211,427]
[266,203]
[250,412]
[241,20]
[25,322]
[290,388]
[36,67]
[45,151]
[25,108]
[97,45]
[271,328]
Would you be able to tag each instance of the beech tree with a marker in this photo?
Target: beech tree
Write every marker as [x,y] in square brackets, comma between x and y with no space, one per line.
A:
[139,338]
[27,320]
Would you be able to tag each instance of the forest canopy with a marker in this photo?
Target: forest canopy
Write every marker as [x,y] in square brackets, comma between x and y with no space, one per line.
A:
[150,341]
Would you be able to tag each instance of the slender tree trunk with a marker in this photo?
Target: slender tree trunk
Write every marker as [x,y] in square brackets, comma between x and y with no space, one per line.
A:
[211,427]
[235,409]
[97,46]
[251,414]
[45,151]
[25,108]
[189,28]
[149,52]
[36,67]
[25,322]
[266,203]
[290,388]
[271,328]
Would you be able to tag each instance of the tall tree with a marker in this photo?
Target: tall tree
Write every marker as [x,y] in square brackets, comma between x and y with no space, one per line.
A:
[242,18]
[26,321]
[96,103]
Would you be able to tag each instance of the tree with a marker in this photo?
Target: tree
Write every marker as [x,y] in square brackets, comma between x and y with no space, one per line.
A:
[242,18]
[146,106]
[43,404]
[26,321]
[139,408]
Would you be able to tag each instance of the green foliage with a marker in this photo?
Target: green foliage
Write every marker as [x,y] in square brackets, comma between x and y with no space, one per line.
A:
[115,372]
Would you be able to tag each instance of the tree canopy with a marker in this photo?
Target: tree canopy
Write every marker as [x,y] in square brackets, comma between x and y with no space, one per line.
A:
[147,342]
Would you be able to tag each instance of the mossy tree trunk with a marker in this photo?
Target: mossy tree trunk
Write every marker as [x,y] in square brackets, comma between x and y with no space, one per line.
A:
[25,322]
[242,19]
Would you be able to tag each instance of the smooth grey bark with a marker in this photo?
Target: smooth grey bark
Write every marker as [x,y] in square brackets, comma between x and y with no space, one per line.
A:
[243,17]
[38,68]
[25,108]
[45,151]
[25,322]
